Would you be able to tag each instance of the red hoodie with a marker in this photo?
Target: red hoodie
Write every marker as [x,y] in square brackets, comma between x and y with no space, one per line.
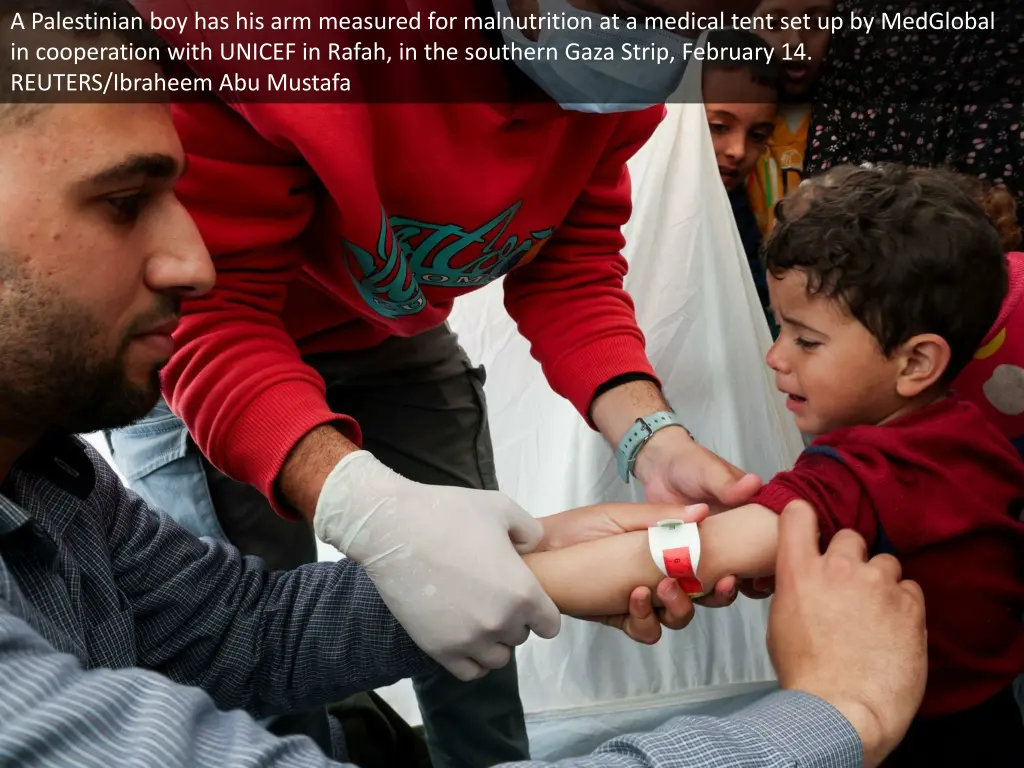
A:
[943,491]
[335,226]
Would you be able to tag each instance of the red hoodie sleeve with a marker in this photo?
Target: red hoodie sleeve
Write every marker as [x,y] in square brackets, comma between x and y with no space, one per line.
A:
[569,303]
[236,378]
[827,485]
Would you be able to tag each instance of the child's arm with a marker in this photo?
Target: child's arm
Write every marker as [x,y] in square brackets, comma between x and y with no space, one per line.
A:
[596,578]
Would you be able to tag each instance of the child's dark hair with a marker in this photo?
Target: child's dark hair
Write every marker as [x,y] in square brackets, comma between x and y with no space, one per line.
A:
[906,250]
[763,68]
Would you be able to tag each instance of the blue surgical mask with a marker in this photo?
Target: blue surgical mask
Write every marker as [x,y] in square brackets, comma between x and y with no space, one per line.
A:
[598,85]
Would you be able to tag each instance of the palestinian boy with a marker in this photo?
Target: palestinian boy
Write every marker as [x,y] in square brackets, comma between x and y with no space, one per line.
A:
[885,280]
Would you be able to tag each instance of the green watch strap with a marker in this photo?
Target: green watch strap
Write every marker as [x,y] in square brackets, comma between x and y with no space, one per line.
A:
[643,429]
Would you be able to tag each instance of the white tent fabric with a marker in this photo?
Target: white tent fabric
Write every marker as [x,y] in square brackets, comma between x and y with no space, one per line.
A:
[707,339]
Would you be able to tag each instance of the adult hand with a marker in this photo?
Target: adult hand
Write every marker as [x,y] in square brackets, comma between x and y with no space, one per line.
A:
[446,561]
[643,623]
[675,469]
[848,630]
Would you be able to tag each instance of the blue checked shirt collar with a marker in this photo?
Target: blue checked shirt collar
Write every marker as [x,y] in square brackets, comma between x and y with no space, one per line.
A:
[60,474]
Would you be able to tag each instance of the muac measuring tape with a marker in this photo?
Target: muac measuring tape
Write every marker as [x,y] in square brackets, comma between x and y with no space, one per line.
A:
[675,547]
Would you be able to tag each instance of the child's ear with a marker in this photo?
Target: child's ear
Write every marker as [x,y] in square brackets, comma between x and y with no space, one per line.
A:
[924,360]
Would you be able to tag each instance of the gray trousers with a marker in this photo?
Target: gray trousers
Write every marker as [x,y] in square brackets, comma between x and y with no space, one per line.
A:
[420,404]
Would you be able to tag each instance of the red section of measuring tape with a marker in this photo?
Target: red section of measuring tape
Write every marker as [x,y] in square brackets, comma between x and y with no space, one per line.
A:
[679,567]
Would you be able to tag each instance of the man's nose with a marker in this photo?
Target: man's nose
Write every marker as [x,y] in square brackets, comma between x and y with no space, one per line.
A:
[180,262]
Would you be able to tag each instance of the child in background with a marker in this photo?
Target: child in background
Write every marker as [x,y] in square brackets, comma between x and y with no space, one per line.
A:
[885,280]
[994,379]
[741,102]
[800,46]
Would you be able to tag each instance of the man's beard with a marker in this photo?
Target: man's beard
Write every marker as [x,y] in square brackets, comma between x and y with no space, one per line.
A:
[54,376]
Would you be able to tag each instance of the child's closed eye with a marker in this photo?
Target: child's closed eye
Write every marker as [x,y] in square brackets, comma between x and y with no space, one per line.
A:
[807,343]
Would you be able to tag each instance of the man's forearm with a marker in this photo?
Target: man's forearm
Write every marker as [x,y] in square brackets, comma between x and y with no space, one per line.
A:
[782,730]
[209,617]
[615,411]
[53,712]
[307,467]
[336,639]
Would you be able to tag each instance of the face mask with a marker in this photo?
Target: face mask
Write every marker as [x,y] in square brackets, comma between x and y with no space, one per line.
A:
[596,85]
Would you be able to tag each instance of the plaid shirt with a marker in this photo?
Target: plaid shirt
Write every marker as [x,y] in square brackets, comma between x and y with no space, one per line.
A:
[124,640]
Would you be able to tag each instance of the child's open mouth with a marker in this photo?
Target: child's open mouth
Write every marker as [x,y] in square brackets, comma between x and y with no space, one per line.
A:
[797,73]
[794,402]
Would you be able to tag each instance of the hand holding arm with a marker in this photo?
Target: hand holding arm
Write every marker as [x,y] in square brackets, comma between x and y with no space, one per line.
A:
[848,630]
[672,466]
[446,561]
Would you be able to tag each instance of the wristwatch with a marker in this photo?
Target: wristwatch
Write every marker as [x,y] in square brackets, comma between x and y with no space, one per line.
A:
[643,429]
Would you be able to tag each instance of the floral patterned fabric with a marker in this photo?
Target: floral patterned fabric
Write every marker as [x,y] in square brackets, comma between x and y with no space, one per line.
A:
[930,98]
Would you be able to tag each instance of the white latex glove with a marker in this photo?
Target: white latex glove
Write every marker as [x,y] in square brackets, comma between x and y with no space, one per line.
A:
[445,560]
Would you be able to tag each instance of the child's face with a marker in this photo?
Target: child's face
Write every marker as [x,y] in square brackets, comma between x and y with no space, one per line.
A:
[830,366]
[739,130]
[789,28]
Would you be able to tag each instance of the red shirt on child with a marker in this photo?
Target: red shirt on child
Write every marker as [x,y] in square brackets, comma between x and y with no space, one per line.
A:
[943,491]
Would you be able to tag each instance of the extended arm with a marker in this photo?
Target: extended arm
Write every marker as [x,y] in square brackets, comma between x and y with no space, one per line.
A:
[595,578]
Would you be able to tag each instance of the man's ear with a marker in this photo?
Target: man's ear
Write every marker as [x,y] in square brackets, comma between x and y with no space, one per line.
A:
[923,361]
